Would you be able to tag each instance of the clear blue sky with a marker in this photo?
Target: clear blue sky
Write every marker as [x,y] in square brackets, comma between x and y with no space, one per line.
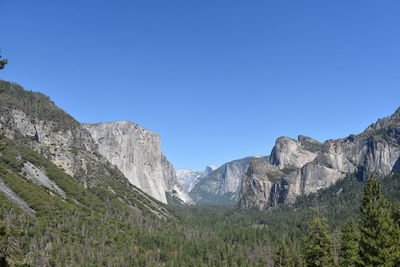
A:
[218,80]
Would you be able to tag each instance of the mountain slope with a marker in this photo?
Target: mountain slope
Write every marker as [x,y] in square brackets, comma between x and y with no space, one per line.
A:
[31,120]
[189,178]
[222,185]
[173,186]
[312,166]
[136,152]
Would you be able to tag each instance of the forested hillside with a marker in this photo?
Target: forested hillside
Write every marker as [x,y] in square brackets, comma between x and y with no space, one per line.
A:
[63,204]
[94,228]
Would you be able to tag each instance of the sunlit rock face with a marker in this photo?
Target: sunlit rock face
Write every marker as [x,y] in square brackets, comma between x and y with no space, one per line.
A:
[136,152]
[174,188]
[305,165]
[288,152]
[188,178]
[223,184]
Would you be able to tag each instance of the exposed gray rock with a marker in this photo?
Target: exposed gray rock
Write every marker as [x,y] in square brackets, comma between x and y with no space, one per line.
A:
[135,151]
[222,185]
[174,188]
[16,199]
[36,175]
[209,169]
[309,166]
[262,186]
[288,152]
[32,118]
[70,149]
[188,178]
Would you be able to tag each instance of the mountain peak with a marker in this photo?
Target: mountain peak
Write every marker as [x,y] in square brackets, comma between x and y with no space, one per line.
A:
[209,169]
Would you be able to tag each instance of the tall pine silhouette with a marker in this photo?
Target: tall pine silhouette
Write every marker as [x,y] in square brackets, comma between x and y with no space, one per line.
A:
[377,229]
[318,245]
[349,251]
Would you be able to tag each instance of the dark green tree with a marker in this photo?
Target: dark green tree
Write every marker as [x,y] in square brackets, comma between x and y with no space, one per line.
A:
[377,245]
[396,218]
[282,256]
[318,244]
[349,251]
[3,62]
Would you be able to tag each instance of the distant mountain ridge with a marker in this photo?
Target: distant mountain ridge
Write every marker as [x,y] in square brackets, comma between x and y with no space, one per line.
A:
[223,184]
[303,166]
[189,178]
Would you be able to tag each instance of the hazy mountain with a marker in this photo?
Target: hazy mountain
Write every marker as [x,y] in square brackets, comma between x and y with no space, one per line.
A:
[222,185]
[189,178]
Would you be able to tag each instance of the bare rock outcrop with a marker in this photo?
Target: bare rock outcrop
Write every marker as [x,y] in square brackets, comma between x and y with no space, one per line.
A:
[308,165]
[136,152]
[173,186]
[223,184]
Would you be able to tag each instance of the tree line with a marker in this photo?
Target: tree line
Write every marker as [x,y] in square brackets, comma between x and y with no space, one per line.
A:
[373,240]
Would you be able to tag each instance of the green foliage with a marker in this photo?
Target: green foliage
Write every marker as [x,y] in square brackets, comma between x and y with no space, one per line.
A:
[318,244]
[97,227]
[349,251]
[282,256]
[37,105]
[377,229]
[10,251]
[312,146]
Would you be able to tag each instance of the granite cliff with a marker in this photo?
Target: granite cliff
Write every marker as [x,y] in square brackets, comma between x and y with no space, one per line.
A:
[33,120]
[222,185]
[189,178]
[136,152]
[299,167]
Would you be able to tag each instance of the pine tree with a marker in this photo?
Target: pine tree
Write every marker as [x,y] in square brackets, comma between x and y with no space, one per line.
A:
[282,257]
[377,245]
[349,251]
[318,245]
[396,218]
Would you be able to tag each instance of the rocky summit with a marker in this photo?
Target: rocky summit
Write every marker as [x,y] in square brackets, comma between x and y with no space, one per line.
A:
[303,166]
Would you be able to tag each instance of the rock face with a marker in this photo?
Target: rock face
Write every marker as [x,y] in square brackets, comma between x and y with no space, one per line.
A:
[32,119]
[209,169]
[189,178]
[136,152]
[307,165]
[9,194]
[173,186]
[39,177]
[289,153]
[262,186]
[222,185]
[51,132]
